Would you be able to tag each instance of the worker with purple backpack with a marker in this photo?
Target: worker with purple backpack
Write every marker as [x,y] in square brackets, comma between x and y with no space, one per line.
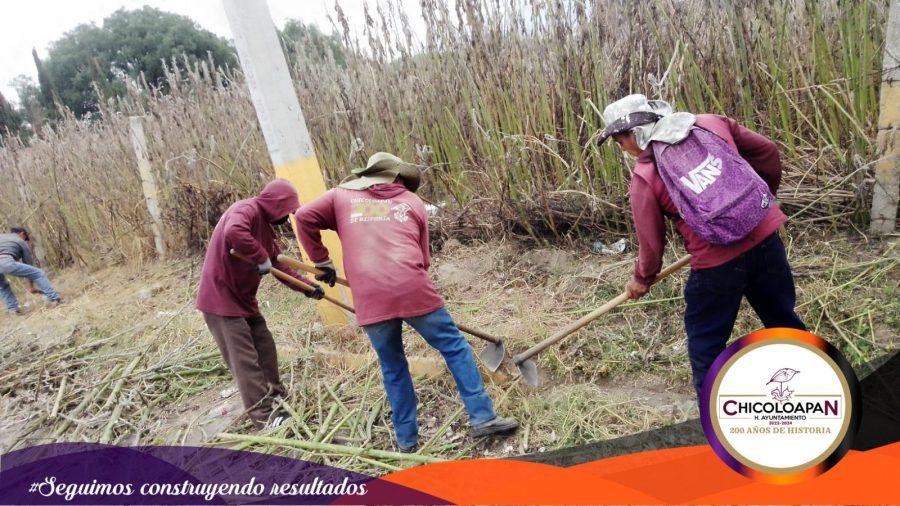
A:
[717,181]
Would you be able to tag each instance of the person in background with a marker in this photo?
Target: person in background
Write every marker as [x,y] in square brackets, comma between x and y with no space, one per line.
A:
[17,260]
[227,295]
[755,267]
[383,228]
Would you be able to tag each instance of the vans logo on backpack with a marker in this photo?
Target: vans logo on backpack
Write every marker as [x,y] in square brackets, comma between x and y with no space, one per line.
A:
[721,198]
[703,175]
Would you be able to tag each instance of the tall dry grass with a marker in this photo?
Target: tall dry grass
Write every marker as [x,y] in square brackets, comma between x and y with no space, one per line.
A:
[500,101]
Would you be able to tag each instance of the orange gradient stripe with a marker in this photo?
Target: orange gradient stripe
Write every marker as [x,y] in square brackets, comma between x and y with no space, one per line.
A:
[679,475]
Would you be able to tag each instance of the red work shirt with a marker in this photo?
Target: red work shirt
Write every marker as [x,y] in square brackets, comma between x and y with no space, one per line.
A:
[228,286]
[650,202]
[384,235]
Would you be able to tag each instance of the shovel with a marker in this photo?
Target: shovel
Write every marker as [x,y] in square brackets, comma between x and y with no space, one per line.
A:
[492,354]
[528,368]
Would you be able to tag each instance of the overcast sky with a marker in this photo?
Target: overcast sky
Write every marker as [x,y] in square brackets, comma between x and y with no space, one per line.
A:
[25,24]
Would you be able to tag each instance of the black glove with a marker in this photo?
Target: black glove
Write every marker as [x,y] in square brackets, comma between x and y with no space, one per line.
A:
[329,275]
[317,293]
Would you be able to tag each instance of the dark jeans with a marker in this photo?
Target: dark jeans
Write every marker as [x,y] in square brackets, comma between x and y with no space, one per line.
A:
[713,297]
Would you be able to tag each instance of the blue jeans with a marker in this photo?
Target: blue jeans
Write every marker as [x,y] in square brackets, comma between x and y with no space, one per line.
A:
[713,297]
[18,269]
[440,332]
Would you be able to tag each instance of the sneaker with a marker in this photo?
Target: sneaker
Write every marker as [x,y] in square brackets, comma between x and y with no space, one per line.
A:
[499,425]
[277,419]
[14,312]
[409,449]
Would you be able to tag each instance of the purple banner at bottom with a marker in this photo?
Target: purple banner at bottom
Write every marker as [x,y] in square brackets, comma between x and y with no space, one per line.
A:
[83,473]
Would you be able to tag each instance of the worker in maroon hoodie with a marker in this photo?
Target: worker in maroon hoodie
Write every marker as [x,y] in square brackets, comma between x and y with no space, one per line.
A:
[755,267]
[383,227]
[227,295]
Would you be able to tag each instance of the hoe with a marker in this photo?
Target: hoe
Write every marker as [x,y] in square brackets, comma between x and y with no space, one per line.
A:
[528,368]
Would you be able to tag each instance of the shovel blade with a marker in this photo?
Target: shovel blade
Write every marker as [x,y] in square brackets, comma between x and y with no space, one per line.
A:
[492,355]
[529,372]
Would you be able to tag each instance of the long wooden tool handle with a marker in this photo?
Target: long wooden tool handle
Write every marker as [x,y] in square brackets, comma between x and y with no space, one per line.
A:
[297,264]
[287,278]
[593,315]
[479,334]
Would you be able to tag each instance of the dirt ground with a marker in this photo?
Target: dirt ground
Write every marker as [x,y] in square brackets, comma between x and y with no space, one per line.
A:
[127,359]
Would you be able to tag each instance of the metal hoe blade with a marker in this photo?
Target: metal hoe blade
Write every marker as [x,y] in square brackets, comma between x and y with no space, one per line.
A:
[529,372]
[492,355]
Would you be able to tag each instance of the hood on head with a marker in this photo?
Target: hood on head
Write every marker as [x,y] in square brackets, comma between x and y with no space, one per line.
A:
[278,199]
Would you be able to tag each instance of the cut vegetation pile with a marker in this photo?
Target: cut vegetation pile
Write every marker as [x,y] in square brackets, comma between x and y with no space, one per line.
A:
[128,361]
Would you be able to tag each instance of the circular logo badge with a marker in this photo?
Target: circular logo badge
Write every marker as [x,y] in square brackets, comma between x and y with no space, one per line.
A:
[780,405]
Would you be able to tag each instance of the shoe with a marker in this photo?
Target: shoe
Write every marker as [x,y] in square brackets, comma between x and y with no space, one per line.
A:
[14,312]
[277,419]
[409,449]
[499,425]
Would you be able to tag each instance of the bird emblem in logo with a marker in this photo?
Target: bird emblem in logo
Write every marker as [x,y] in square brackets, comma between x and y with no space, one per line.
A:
[782,376]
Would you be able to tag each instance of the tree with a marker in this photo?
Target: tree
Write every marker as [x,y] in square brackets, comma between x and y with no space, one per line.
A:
[128,44]
[297,36]
[10,120]
[31,108]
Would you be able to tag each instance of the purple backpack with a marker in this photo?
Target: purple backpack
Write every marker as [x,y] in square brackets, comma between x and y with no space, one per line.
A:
[717,193]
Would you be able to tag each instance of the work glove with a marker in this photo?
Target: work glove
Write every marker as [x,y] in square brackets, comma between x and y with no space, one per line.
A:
[329,275]
[265,267]
[317,293]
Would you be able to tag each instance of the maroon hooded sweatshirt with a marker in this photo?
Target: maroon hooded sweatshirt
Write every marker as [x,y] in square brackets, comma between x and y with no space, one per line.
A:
[227,285]
[651,203]
[384,237]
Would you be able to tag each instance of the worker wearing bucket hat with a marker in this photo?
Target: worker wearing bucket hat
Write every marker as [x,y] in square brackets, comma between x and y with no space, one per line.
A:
[754,266]
[383,227]
[383,168]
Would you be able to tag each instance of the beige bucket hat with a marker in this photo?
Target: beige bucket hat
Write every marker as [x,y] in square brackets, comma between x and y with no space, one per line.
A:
[383,168]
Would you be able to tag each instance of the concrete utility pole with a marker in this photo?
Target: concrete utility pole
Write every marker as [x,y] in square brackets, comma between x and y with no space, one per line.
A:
[148,183]
[282,122]
[887,169]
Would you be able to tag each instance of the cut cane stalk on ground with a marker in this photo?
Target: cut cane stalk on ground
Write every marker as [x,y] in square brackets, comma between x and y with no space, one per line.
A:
[627,375]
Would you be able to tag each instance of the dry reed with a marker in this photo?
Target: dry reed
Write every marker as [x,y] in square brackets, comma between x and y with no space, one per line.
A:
[500,102]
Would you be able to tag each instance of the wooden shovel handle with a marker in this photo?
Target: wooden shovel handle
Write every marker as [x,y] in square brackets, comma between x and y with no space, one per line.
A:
[593,315]
[297,264]
[287,278]
[479,334]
